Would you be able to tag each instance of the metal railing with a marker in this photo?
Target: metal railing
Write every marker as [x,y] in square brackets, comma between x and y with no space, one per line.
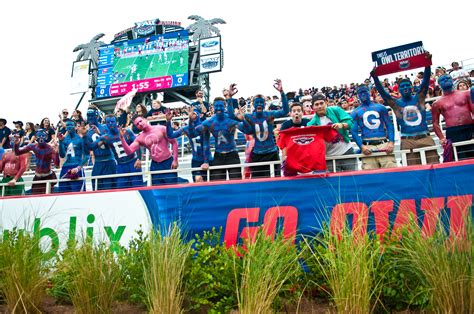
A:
[401,154]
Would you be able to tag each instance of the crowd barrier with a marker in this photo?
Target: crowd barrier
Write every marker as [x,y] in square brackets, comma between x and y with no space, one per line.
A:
[186,171]
[379,201]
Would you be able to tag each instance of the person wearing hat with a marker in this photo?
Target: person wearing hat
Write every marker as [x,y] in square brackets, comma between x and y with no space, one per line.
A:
[340,121]
[18,131]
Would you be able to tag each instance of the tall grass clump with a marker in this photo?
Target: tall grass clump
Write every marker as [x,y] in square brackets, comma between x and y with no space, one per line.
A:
[95,277]
[445,263]
[23,271]
[164,270]
[349,265]
[267,266]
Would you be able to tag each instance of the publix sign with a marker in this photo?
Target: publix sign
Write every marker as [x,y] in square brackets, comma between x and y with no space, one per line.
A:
[111,217]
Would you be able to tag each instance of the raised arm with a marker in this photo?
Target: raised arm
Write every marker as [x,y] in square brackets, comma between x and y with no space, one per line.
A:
[425,84]
[129,149]
[22,150]
[172,133]
[230,110]
[285,109]
[230,102]
[386,96]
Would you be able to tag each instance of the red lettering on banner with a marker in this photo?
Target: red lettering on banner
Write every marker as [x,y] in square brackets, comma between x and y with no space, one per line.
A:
[459,206]
[233,220]
[406,211]
[360,213]
[290,215]
[380,209]
[432,208]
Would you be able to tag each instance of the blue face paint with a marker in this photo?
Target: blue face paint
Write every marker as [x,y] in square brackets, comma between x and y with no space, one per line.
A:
[41,136]
[111,123]
[259,103]
[93,116]
[446,82]
[405,88]
[219,107]
[363,94]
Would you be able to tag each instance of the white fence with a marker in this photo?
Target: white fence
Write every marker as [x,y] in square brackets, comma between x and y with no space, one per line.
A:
[186,171]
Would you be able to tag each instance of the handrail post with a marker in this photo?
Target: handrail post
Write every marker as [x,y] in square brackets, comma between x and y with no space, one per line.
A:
[149,179]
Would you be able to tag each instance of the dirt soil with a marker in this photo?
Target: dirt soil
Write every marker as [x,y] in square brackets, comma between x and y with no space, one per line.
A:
[50,307]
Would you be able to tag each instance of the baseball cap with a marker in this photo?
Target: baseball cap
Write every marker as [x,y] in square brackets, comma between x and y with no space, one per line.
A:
[319,96]
[18,122]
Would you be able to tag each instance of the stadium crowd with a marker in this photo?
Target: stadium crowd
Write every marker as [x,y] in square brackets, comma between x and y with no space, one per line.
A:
[351,119]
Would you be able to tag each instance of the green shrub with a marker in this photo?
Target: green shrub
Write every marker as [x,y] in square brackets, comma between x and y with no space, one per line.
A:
[403,287]
[210,276]
[132,262]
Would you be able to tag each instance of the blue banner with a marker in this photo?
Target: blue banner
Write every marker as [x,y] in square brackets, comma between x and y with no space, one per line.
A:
[379,200]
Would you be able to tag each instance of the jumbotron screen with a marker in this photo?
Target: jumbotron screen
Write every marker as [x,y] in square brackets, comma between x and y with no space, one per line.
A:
[148,64]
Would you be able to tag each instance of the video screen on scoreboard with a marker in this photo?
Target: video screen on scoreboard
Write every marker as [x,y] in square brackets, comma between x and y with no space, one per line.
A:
[148,64]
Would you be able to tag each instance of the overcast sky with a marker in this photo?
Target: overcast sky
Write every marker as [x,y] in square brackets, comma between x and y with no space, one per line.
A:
[305,43]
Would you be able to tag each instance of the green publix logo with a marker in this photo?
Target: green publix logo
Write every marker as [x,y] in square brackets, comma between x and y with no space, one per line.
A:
[46,232]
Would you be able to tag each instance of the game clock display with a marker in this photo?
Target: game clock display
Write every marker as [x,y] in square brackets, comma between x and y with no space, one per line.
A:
[146,64]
